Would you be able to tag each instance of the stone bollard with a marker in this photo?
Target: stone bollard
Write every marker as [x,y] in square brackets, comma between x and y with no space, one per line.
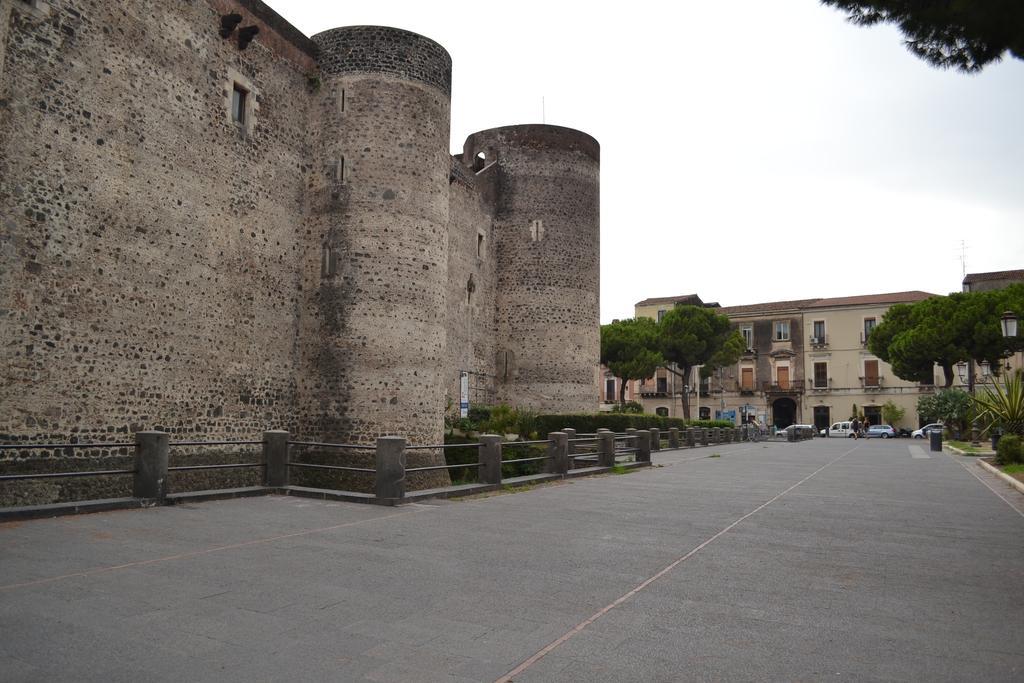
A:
[275,456]
[705,436]
[673,437]
[606,448]
[490,459]
[655,438]
[643,446]
[558,453]
[716,435]
[727,435]
[570,435]
[691,437]
[390,484]
[151,452]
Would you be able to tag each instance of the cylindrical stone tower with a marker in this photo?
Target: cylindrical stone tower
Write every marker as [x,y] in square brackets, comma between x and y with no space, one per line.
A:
[547,243]
[374,334]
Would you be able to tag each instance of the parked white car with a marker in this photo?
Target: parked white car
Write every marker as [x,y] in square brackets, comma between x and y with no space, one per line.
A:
[922,433]
[840,429]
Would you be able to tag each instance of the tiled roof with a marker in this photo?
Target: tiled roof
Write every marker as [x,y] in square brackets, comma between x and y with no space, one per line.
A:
[1012,275]
[873,299]
[803,304]
[681,299]
[769,307]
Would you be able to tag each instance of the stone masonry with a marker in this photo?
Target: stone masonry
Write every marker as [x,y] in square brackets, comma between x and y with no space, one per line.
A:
[213,225]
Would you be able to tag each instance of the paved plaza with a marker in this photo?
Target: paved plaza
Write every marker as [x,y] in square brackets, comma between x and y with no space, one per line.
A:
[829,559]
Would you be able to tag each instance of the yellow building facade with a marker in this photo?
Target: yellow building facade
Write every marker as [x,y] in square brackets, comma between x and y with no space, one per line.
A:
[806,362]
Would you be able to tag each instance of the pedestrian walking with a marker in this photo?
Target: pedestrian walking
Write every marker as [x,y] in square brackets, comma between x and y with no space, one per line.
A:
[855,428]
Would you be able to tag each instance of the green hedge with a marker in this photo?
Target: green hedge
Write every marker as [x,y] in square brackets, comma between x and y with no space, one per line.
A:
[529,425]
[617,422]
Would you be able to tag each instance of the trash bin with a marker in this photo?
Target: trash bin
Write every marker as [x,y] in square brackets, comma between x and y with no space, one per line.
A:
[995,439]
[935,436]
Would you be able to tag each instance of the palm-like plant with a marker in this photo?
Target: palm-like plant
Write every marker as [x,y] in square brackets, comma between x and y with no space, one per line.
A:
[1003,405]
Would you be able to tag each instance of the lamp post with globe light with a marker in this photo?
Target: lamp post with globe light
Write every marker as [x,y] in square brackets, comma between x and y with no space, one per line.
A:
[1008,321]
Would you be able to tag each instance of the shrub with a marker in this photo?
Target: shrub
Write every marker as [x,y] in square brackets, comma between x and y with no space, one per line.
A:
[628,407]
[1010,451]
[1002,405]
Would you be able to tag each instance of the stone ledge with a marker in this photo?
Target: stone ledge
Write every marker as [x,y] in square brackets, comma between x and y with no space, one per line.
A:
[217,494]
[1015,483]
[12,514]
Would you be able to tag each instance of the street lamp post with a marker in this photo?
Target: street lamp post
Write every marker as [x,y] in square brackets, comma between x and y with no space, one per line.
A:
[1009,324]
[966,372]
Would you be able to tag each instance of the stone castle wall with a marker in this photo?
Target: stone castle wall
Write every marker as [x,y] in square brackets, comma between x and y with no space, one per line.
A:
[149,244]
[308,269]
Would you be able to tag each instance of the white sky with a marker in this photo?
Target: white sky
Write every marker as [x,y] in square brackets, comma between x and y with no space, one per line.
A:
[750,151]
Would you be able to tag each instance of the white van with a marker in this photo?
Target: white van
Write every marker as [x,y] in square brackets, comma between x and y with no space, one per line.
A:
[840,429]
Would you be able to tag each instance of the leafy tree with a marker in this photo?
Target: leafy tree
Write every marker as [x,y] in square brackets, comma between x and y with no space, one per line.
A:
[950,407]
[689,336]
[963,34]
[632,407]
[892,413]
[629,350]
[945,330]
[927,409]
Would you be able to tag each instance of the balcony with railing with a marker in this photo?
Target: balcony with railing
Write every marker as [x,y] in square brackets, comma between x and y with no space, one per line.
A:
[871,382]
[819,342]
[817,385]
[788,387]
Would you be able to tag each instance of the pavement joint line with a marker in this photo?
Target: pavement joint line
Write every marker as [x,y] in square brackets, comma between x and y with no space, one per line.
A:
[198,553]
[578,628]
[975,475]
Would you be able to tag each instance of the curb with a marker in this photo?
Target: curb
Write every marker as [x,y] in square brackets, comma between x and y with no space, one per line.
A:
[1015,483]
[954,449]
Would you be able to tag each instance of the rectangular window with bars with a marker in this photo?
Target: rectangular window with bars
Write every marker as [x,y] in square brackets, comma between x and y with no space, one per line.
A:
[821,375]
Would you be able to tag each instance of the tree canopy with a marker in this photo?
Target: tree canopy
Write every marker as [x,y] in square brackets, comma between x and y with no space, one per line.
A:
[688,336]
[945,330]
[962,34]
[629,350]
[692,335]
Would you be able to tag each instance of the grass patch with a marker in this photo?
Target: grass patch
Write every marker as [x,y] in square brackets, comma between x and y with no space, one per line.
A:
[715,455]
[619,469]
[1013,469]
[968,449]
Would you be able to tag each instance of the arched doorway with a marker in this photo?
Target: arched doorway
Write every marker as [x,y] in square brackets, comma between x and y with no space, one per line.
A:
[783,412]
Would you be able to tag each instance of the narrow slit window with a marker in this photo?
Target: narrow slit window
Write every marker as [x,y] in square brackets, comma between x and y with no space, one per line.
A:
[479,245]
[343,99]
[239,96]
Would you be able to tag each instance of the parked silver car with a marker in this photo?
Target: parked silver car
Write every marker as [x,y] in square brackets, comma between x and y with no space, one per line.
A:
[881,432]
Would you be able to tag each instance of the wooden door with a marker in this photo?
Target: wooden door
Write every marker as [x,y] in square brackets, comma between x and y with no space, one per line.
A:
[783,375]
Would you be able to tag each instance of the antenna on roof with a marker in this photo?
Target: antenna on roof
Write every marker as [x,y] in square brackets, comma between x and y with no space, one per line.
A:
[963,259]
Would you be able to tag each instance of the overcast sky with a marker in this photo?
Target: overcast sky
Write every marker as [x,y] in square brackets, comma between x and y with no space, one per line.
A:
[750,151]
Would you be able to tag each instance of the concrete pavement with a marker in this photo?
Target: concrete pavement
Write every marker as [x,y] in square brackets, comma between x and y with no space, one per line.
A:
[774,561]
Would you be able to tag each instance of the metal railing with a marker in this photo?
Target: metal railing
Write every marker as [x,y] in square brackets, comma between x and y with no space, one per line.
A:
[563,451]
[63,475]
